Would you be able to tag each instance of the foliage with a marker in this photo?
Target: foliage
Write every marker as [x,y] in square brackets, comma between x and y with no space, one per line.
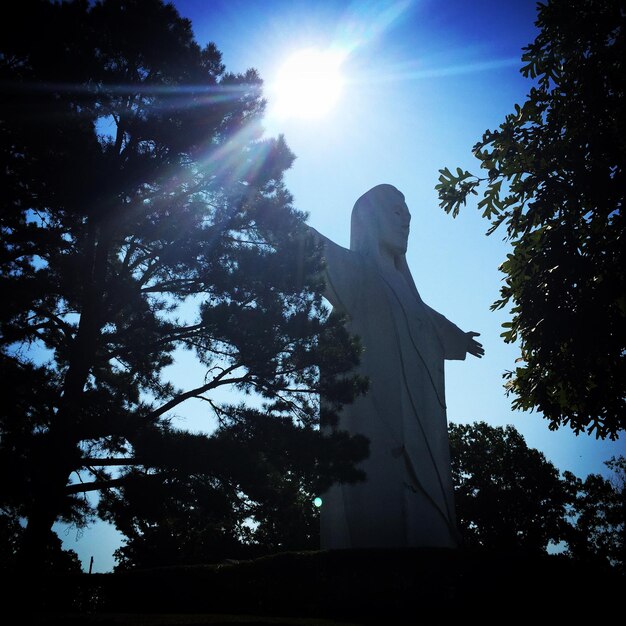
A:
[246,491]
[55,559]
[144,213]
[508,496]
[599,516]
[556,181]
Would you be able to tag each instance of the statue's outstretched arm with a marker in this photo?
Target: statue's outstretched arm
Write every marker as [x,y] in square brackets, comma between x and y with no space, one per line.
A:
[457,343]
[319,238]
[341,272]
[475,348]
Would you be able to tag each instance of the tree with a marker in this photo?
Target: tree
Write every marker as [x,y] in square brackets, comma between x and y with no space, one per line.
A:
[254,498]
[54,559]
[145,213]
[508,496]
[598,515]
[555,178]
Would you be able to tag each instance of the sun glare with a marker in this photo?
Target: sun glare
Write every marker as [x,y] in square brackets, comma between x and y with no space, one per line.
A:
[308,84]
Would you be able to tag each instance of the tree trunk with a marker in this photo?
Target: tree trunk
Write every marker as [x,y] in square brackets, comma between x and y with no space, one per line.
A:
[49,481]
[59,454]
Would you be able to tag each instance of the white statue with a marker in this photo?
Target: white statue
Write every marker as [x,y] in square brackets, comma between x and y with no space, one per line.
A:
[407,498]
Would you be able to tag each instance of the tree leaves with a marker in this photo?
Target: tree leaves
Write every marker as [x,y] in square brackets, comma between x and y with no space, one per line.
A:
[509,497]
[454,189]
[555,178]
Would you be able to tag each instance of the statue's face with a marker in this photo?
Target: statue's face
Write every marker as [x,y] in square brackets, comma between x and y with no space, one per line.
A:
[393,223]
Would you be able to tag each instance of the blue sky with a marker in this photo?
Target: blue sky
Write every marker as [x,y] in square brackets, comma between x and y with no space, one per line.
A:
[423,81]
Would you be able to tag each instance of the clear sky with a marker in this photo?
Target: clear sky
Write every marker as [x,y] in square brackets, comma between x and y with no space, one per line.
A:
[422,80]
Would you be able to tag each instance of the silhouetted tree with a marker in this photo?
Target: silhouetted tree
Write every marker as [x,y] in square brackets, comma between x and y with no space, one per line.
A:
[555,178]
[143,213]
[246,491]
[598,516]
[54,559]
[508,496]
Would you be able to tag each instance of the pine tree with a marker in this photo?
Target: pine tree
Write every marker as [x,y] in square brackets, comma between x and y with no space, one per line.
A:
[144,213]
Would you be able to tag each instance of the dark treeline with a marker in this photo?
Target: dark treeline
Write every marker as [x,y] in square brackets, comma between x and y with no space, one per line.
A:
[509,497]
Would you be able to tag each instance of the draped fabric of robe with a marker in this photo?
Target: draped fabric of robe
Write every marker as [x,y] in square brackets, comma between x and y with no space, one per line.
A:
[407,498]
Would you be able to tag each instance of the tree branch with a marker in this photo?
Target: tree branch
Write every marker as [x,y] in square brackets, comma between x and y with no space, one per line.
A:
[194,393]
[169,285]
[96,485]
[109,462]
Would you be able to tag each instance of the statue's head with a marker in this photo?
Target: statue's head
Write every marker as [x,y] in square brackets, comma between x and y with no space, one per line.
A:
[380,222]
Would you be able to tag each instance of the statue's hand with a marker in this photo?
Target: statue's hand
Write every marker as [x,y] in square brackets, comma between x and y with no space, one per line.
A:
[474,347]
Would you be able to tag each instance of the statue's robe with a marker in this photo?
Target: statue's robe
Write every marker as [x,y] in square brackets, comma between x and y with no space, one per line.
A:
[407,498]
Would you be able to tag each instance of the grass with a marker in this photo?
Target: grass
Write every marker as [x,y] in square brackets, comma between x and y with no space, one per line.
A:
[376,586]
[180,619]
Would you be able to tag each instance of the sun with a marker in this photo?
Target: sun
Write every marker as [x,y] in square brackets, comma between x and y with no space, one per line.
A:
[308,84]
